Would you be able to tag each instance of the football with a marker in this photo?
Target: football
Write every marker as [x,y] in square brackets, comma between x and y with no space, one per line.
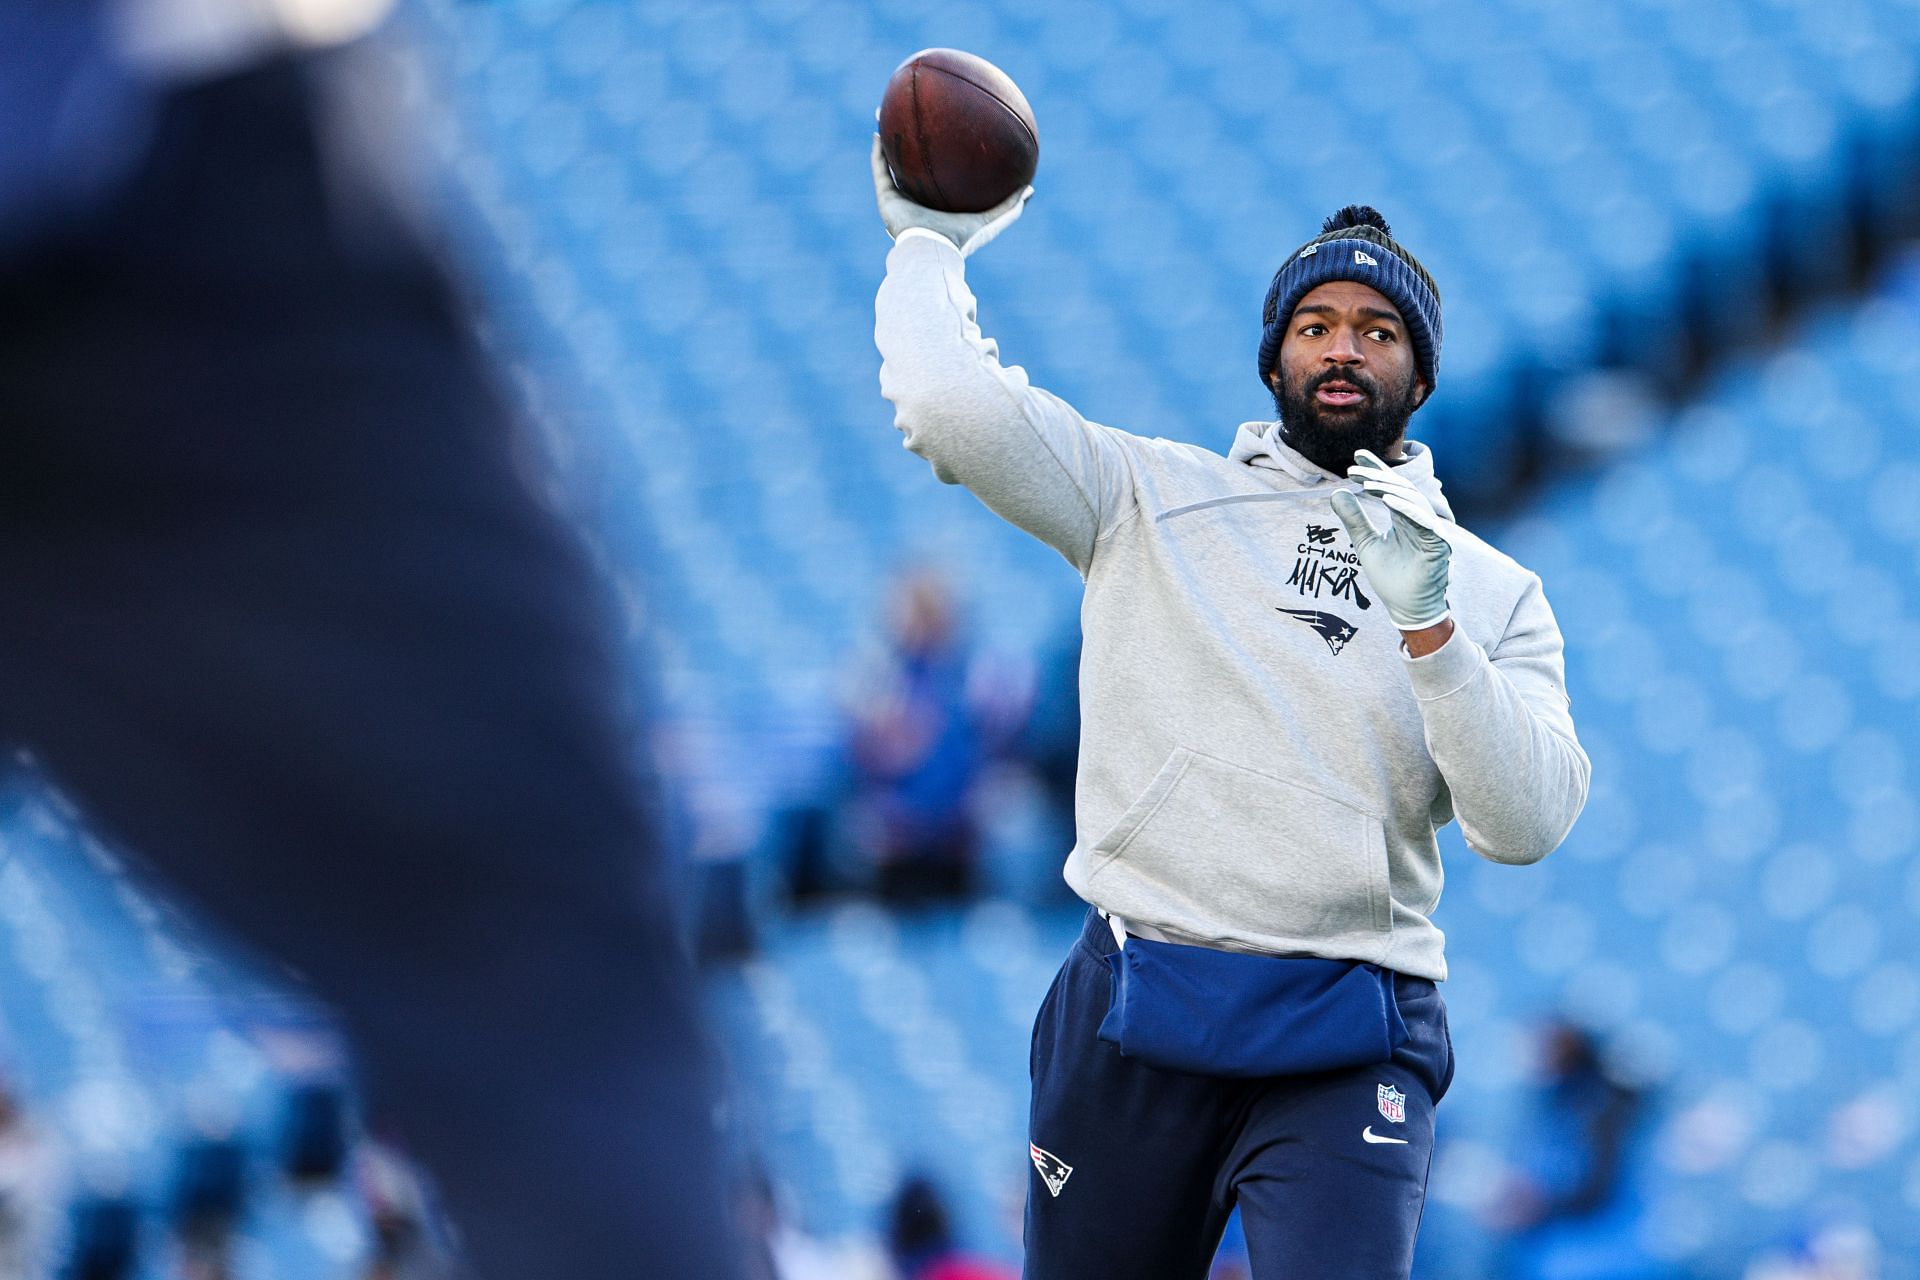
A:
[957,132]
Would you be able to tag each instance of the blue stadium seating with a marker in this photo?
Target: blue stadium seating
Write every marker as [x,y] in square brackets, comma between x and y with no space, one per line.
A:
[674,196]
[156,1064]
[680,190]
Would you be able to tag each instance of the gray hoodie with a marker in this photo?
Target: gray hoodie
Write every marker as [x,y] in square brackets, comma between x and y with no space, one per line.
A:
[1262,766]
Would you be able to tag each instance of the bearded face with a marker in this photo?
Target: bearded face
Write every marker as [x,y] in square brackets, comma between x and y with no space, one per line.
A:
[1346,378]
[1327,415]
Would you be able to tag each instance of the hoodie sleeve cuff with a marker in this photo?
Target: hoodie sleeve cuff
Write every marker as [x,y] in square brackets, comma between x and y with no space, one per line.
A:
[911,234]
[1446,670]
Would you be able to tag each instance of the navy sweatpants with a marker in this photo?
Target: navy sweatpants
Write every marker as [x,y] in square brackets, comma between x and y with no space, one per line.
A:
[1135,1170]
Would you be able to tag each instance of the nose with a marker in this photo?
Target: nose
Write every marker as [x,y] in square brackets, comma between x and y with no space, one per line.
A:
[1343,348]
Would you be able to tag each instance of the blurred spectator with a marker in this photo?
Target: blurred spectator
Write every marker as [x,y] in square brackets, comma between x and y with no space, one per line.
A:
[1573,1210]
[920,1238]
[30,1191]
[927,717]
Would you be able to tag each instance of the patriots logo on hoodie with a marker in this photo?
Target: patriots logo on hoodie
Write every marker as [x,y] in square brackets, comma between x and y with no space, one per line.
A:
[1335,630]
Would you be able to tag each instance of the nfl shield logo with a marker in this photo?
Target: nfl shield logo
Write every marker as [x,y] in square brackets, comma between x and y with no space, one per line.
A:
[1393,1103]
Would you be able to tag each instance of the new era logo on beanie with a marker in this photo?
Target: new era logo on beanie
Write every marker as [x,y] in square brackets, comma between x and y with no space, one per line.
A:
[1360,247]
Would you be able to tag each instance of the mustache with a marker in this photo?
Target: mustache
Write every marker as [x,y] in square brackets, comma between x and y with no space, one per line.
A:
[1352,377]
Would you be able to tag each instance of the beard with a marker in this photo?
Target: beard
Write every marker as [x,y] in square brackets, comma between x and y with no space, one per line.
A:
[1327,436]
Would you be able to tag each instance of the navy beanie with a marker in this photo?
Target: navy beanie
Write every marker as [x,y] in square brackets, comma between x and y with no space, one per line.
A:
[1356,244]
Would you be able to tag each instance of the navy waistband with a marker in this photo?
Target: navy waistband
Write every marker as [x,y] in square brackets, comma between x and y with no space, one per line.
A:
[1096,935]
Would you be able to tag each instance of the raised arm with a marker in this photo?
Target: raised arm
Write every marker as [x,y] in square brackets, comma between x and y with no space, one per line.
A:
[1024,452]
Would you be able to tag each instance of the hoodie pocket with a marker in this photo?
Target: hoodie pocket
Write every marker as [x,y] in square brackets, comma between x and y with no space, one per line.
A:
[1261,855]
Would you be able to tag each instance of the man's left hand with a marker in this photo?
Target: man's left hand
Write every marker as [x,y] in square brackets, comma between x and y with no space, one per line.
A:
[1406,565]
[965,231]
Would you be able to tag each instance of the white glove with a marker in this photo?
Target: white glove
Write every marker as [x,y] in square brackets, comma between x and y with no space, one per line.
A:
[966,231]
[1407,565]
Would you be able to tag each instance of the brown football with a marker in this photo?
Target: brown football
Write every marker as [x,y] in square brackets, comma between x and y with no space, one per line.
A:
[957,132]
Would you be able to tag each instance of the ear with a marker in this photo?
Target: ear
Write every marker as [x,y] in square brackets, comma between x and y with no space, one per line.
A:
[1425,389]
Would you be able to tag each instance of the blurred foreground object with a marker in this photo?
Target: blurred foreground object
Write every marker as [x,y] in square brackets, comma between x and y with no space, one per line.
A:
[283,615]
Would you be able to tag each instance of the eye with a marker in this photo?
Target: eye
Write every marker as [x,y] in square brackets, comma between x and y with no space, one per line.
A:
[1312,330]
[1381,335]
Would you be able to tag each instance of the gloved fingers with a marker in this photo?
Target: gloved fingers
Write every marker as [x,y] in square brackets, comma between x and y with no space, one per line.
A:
[1417,514]
[1012,207]
[1386,482]
[998,219]
[1410,501]
[1371,481]
[1369,471]
[1346,505]
[1367,459]
[1398,494]
[1368,468]
[897,211]
[882,176]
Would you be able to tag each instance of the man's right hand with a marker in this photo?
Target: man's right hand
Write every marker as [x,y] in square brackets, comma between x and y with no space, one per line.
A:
[1407,565]
[965,231]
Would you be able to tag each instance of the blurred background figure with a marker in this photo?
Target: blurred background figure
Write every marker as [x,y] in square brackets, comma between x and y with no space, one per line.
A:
[1573,1209]
[929,716]
[920,1238]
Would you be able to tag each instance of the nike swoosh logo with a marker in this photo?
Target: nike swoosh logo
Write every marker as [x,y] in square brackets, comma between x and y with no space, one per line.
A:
[1371,1136]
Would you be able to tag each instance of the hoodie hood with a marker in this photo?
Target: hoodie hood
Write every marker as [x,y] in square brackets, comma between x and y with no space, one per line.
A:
[1258,444]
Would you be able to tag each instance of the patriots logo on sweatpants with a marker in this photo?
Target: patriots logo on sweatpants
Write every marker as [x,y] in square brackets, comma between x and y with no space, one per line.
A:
[1053,1170]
